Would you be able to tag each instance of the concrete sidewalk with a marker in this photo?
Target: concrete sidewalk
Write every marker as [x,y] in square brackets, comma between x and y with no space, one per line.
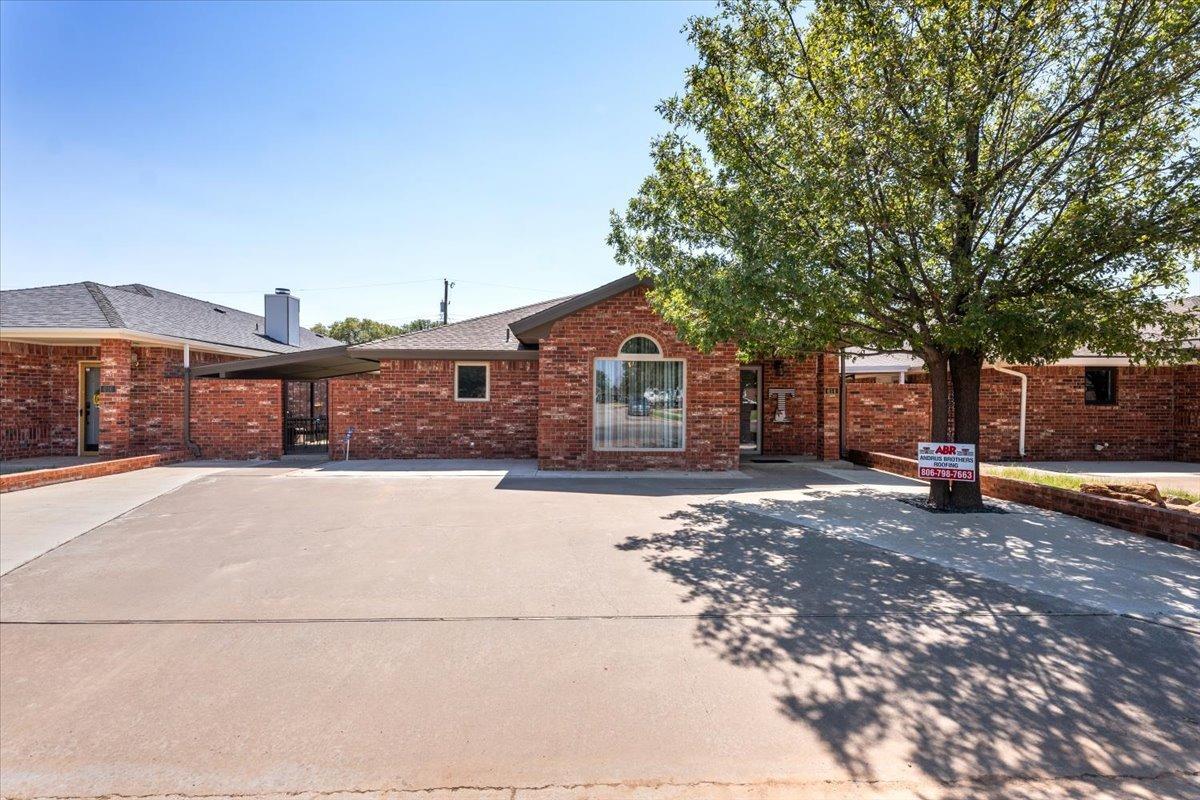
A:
[35,521]
[1042,551]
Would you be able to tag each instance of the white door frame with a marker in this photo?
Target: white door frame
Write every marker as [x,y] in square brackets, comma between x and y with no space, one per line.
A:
[81,405]
[758,437]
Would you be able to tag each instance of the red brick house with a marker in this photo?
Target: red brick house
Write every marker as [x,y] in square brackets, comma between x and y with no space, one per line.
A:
[593,381]
[88,369]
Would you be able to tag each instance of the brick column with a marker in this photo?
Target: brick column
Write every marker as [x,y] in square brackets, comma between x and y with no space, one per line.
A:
[115,357]
[829,405]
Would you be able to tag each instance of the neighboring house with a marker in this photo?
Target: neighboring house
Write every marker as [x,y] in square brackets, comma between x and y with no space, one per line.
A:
[87,368]
[882,367]
[593,381]
[1088,406]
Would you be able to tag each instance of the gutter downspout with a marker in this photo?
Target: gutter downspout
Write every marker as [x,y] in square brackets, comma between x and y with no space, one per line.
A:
[1024,394]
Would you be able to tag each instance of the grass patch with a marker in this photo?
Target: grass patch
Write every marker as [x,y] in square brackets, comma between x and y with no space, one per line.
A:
[1062,481]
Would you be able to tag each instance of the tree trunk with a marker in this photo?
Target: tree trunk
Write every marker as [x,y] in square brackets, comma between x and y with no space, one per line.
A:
[965,372]
[939,419]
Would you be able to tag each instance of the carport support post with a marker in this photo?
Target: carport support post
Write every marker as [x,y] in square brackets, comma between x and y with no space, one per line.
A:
[187,396]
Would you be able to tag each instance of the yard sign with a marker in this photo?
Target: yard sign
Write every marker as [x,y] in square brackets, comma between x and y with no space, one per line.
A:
[947,461]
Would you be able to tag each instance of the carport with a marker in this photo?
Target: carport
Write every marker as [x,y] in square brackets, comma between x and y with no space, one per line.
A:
[305,389]
[307,365]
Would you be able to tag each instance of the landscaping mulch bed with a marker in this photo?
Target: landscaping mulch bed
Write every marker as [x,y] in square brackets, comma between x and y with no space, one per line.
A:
[924,505]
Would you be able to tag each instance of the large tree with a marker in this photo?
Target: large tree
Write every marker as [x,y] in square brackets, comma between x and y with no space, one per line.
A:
[355,330]
[972,182]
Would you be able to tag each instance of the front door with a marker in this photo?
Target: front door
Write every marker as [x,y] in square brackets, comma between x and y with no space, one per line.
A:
[89,409]
[751,412]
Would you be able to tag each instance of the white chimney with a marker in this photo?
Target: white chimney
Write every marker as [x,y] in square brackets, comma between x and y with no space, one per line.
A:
[282,314]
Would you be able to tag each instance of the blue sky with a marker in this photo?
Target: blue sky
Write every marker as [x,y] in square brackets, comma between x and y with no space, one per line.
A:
[224,149]
[356,153]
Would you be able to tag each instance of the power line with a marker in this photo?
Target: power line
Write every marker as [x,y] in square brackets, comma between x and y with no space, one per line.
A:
[541,289]
[316,288]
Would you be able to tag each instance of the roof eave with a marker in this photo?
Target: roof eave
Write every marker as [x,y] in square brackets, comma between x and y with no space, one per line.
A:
[529,330]
[441,354]
[65,334]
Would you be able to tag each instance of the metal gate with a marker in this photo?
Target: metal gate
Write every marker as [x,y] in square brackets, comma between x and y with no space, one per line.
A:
[306,416]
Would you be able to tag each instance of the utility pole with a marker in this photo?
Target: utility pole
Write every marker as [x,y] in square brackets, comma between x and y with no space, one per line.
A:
[446,284]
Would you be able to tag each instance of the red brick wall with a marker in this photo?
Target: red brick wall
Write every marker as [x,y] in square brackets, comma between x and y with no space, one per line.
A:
[1140,426]
[156,400]
[237,419]
[408,410]
[1187,413]
[812,426]
[156,396]
[39,399]
[800,435]
[886,417]
[1150,416]
[829,407]
[115,387]
[565,391]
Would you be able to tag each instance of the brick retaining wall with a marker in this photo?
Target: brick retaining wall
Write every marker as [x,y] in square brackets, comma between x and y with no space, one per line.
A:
[45,477]
[1168,525]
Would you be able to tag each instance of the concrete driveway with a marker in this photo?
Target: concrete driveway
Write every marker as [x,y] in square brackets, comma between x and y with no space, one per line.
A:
[274,632]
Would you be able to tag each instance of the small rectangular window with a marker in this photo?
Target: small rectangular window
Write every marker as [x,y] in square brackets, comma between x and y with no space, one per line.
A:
[1100,386]
[471,381]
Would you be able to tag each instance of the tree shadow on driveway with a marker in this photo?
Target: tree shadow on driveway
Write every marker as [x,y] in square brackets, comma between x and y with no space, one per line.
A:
[897,662]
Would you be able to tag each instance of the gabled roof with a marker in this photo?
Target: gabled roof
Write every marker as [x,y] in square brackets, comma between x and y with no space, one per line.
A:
[145,309]
[537,324]
[511,334]
[481,337]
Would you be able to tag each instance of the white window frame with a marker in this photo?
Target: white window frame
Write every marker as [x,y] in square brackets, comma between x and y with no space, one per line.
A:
[487,381]
[640,357]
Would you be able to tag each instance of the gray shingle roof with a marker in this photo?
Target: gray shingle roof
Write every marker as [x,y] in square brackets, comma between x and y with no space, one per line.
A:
[143,308]
[487,333]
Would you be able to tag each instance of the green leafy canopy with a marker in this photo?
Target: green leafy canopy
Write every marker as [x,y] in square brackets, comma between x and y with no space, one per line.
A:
[353,330]
[1004,178]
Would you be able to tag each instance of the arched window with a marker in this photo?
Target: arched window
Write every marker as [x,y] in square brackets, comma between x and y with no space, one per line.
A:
[639,400]
[639,345]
